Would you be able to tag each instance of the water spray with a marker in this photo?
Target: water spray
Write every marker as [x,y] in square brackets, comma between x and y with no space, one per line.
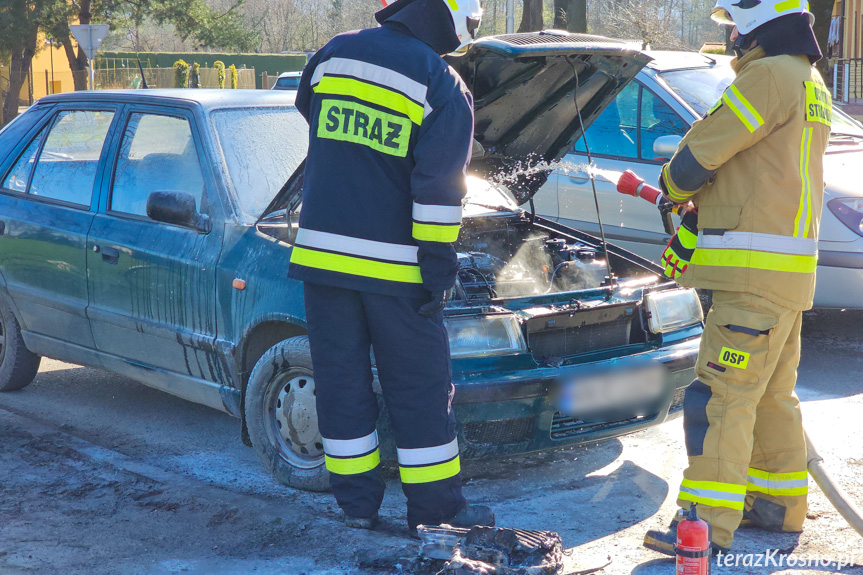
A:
[611,280]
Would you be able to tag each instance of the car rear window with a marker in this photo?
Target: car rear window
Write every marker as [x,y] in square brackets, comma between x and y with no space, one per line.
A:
[262,147]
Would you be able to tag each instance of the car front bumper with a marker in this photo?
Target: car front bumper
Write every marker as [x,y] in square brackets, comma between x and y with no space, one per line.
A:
[502,414]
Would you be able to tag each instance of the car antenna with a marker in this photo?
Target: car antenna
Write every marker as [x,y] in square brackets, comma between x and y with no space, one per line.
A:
[611,279]
[141,68]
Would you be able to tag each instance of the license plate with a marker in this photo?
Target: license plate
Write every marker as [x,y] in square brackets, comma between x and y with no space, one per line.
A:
[613,394]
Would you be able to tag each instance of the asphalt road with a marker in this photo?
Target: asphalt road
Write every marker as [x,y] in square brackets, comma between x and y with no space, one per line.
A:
[99,474]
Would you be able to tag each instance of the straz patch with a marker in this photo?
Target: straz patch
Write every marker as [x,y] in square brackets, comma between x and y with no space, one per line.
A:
[733,358]
[359,124]
[819,104]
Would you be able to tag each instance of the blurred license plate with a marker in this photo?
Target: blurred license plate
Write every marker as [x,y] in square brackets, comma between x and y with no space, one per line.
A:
[614,394]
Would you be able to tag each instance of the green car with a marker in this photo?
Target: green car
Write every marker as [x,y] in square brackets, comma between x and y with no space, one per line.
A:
[148,233]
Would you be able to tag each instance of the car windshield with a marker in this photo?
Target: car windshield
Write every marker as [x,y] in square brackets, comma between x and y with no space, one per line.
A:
[262,147]
[288,83]
[699,87]
[845,125]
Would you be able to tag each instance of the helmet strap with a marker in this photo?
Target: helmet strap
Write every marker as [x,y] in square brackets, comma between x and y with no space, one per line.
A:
[742,44]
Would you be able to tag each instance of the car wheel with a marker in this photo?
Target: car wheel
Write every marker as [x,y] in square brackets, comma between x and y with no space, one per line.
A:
[282,418]
[18,365]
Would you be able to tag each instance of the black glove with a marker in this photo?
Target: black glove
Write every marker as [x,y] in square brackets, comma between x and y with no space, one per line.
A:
[435,306]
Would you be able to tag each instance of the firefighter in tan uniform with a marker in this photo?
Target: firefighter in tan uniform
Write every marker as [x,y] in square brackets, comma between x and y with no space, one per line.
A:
[753,168]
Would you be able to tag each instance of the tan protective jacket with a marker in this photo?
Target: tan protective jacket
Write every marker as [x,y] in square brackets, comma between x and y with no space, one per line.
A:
[753,166]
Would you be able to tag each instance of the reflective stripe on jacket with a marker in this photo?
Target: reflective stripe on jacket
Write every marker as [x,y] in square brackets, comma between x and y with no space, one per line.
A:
[391,127]
[753,166]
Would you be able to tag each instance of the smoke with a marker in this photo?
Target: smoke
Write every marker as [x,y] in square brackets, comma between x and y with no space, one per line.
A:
[527,272]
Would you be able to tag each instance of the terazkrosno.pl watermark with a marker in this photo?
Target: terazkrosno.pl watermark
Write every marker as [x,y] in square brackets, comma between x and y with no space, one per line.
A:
[773,558]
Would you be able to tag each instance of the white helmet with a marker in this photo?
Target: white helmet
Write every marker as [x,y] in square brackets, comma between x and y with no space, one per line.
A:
[466,17]
[748,15]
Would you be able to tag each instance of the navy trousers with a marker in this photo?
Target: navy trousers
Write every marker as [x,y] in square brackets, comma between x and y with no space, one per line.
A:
[412,357]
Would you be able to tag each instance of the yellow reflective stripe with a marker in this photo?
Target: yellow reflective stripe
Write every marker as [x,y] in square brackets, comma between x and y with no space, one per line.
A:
[372,93]
[435,233]
[405,273]
[674,194]
[713,493]
[742,108]
[790,4]
[452,5]
[801,228]
[755,260]
[687,239]
[352,465]
[429,473]
[778,484]
[353,122]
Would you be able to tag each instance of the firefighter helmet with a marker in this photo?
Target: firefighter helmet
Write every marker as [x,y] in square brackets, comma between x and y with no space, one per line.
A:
[466,17]
[748,15]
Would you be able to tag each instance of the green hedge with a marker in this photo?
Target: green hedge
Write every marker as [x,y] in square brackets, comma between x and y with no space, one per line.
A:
[272,64]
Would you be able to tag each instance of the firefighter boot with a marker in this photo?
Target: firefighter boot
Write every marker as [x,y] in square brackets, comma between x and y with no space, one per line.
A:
[471,515]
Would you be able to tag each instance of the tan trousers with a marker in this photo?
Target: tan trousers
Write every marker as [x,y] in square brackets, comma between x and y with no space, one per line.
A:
[744,431]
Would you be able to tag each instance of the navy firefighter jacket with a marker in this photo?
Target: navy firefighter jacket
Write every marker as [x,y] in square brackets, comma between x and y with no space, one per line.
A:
[391,128]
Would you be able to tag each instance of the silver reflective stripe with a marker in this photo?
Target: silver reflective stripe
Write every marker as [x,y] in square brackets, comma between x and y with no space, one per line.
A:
[356,246]
[778,483]
[428,455]
[759,242]
[742,108]
[427,109]
[710,494]
[351,447]
[437,214]
[373,73]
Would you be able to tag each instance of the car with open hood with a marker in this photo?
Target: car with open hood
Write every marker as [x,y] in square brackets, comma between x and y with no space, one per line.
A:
[149,232]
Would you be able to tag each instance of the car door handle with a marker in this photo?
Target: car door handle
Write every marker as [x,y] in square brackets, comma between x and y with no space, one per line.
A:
[109,255]
[579,177]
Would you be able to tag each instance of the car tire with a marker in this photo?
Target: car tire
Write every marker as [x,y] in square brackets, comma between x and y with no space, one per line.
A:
[281,416]
[18,365]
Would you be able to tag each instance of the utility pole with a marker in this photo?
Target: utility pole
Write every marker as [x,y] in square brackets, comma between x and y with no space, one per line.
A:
[510,16]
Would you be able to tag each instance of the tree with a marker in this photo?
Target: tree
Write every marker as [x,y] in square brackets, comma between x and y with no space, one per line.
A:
[531,16]
[192,19]
[19,29]
[570,15]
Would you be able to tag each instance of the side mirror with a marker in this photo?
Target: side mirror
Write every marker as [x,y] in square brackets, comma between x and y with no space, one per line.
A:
[177,208]
[665,146]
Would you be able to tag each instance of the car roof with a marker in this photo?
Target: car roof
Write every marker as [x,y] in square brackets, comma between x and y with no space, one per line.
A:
[290,74]
[205,98]
[665,60]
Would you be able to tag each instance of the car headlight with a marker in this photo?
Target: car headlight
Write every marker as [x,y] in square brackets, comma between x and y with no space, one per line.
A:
[673,309]
[479,336]
[849,211]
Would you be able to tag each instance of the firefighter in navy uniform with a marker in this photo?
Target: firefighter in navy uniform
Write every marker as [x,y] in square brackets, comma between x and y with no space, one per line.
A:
[753,166]
[391,130]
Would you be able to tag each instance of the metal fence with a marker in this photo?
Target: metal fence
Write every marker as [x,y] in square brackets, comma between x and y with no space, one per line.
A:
[130,78]
[848,80]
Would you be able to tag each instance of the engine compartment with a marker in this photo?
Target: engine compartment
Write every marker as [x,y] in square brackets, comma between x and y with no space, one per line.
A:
[507,257]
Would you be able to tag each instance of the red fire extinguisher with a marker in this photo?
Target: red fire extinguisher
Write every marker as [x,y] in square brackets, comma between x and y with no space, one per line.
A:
[693,545]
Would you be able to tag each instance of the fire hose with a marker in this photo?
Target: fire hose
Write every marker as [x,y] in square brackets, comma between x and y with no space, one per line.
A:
[632,185]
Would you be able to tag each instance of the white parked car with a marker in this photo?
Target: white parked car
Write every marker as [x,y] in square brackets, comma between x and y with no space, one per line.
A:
[288,81]
[640,130]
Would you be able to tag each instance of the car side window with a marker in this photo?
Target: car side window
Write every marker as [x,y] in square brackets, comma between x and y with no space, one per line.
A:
[66,168]
[657,119]
[17,178]
[157,155]
[613,133]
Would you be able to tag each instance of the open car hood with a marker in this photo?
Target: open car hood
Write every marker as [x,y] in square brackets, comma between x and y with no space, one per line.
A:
[524,88]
